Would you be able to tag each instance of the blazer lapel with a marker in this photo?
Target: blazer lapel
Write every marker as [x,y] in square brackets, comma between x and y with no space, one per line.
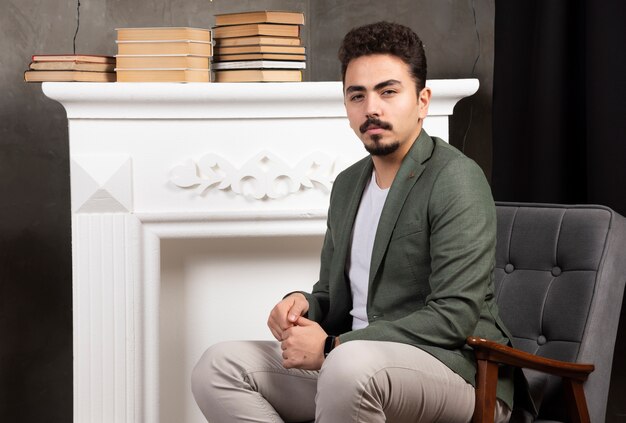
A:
[409,172]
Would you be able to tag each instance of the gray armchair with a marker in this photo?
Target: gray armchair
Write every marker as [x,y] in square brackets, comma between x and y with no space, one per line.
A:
[559,277]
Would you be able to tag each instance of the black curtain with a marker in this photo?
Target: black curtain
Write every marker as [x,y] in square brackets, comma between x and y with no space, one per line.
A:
[559,115]
[559,102]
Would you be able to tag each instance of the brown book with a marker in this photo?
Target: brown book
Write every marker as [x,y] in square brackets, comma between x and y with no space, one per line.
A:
[221,51]
[68,76]
[165,47]
[163,75]
[163,33]
[250,30]
[259,56]
[247,41]
[258,75]
[165,62]
[267,16]
[79,58]
[258,64]
[79,66]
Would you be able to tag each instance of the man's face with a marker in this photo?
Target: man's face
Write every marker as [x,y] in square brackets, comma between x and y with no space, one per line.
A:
[382,104]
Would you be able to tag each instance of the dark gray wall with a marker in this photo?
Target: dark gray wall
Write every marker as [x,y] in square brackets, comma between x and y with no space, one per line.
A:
[35,250]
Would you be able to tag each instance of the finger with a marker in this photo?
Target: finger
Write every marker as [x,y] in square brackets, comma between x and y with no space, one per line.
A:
[299,307]
[303,321]
[286,334]
[277,317]
[294,312]
[278,335]
[287,362]
[278,325]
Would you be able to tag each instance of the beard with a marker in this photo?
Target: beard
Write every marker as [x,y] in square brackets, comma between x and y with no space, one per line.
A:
[377,149]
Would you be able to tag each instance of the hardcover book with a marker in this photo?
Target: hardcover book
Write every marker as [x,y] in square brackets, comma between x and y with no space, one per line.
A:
[82,58]
[256,29]
[259,49]
[68,76]
[186,61]
[266,16]
[259,64]
[163,75]
[247,41]
[79,66]
[260,56]
[258,75]
[163,33]
[165,47]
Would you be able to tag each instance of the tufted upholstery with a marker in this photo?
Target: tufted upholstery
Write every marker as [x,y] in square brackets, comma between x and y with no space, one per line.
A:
[559,282]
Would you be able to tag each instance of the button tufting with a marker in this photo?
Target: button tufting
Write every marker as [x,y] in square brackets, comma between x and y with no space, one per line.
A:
[509,268]
[556,271]
[541,340]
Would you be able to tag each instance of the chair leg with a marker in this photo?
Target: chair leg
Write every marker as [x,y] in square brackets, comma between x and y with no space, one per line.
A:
[486,383]
[576,402]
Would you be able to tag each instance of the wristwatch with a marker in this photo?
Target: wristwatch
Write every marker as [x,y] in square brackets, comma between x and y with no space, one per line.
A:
[329,344]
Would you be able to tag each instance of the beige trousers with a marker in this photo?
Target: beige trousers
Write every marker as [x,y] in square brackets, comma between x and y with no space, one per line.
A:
[360,381]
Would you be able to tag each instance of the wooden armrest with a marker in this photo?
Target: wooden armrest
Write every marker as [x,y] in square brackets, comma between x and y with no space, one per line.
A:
[494,352]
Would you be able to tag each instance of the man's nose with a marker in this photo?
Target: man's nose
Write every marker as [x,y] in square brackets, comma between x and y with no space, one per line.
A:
[373,106]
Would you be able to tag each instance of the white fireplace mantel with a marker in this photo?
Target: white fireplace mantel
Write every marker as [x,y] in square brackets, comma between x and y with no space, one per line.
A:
[187,199]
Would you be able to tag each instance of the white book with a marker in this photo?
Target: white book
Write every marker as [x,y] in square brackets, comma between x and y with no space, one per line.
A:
[259,64]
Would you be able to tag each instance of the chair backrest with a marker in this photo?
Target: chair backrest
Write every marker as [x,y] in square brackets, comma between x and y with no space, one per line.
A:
[559,279]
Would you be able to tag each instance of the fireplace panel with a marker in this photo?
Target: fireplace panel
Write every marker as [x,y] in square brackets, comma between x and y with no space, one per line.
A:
[221,289]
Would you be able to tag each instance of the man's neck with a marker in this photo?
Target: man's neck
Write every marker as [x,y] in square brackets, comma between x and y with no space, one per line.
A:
[386,171]
[387,166]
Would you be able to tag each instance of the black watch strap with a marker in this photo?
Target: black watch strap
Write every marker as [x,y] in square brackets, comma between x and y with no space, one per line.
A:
[329,344]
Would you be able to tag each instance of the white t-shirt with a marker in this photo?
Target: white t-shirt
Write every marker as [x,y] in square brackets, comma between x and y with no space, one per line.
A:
[360,256]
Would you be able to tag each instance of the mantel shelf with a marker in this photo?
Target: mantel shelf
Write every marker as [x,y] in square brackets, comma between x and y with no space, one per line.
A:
[224,100]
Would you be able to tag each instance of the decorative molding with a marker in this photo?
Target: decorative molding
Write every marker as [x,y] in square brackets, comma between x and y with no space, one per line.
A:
[263,176]
[101,183]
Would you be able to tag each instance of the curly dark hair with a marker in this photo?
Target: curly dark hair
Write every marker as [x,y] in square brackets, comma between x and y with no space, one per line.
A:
[385,38]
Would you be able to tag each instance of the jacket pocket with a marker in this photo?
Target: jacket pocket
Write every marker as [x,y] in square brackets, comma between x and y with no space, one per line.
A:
[407,229]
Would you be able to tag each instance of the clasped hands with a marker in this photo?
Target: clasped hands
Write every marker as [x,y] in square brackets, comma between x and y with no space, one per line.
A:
[301,339]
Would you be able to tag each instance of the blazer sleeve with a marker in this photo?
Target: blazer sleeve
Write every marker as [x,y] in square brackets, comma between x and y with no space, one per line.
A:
[319,297]
[462,220]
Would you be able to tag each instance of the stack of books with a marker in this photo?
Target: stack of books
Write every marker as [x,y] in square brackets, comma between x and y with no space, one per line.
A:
[164,54]
[258,47]
[70,67]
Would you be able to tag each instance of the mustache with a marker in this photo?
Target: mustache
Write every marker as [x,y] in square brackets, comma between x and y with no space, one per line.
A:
[374,122]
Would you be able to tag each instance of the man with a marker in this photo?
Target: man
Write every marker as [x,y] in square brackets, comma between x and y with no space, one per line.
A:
[405,274]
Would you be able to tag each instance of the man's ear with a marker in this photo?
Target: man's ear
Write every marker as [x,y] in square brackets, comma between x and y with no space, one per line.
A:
[423,101]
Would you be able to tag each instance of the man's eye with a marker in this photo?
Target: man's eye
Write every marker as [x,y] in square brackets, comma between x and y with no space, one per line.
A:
[356,97]
[389,92]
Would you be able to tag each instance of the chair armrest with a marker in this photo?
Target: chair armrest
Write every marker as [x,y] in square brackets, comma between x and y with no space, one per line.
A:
[494,352]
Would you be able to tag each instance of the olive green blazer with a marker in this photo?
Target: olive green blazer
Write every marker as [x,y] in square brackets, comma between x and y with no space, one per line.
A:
[430,281]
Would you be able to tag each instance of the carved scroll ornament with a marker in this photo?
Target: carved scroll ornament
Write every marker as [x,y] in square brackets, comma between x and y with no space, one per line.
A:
[263,176]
